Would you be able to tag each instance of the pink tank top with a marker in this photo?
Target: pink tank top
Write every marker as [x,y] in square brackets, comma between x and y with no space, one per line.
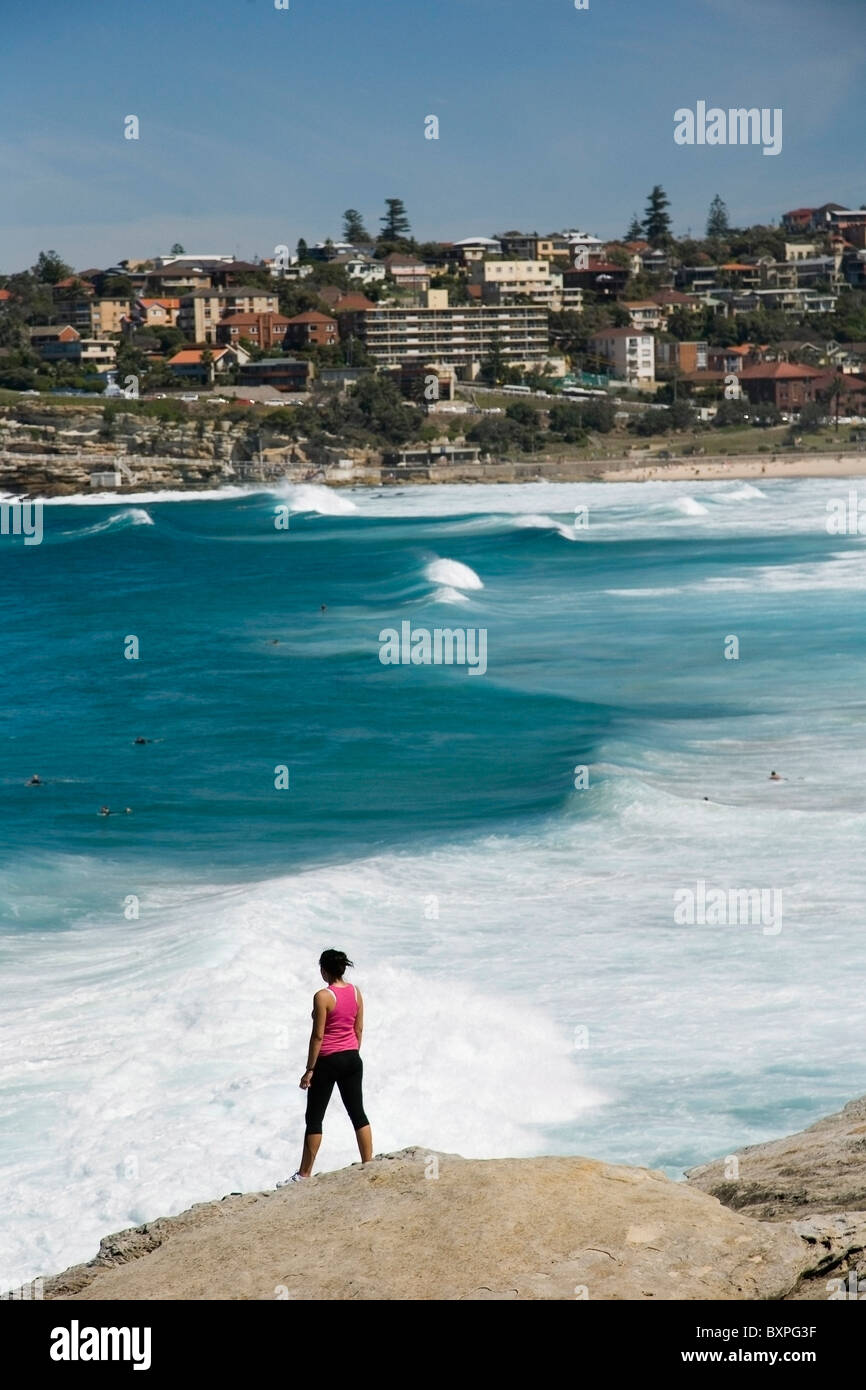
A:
[340,1023]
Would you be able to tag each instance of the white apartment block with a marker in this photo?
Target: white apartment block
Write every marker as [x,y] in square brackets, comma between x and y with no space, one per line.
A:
[501,280]
[629,353]
[459,335]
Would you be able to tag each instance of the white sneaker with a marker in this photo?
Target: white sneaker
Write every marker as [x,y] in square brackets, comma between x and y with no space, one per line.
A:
[296,1177]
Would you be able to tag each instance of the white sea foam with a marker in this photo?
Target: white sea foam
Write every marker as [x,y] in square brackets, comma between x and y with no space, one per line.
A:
[102,499]
[130,516]
[452,574]
[741,494]
[315,497]
[689,506]
[536,521]
[448,595]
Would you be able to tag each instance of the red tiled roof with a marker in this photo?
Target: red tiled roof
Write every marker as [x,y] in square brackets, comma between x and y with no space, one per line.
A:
[237,318]
[165,303]
[189,356]
[311,316]
[778,371]
[352,302]
[4,294]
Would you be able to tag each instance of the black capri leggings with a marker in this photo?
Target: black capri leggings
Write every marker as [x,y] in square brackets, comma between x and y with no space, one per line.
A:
[347,1070]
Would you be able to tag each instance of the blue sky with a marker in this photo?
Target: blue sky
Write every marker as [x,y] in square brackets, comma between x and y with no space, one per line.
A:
[258,125]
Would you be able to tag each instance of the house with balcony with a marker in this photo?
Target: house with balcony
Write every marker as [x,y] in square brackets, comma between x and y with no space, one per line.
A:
[475,248]
[155,313]
[55,342]
[278,373]
[407,272]
[628,352]
[503,281]
[645,314]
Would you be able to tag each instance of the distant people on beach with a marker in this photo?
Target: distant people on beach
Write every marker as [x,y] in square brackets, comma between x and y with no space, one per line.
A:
[334,1058]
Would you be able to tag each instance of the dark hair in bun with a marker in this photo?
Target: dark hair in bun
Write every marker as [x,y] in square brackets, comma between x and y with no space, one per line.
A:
[334,963]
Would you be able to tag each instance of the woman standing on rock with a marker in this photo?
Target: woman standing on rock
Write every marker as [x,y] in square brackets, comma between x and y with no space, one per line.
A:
[334,1056]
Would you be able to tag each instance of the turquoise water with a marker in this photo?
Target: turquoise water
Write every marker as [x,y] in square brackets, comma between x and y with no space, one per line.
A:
[528,988]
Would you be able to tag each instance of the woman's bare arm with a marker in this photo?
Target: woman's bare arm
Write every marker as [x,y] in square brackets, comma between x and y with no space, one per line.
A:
[320,1013]
[359,1018]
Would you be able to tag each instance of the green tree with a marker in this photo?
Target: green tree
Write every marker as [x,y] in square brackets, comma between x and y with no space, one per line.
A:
[49,268]
[598,414]
[566,422]
[353,227]
[812,417]
[493,365]
[656,221]
[207,362]
[301,249]
[176,250]
[717,218]
[395,223]
[635,229]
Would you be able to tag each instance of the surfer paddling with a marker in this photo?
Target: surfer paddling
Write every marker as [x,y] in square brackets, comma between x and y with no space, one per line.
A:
[334,1058]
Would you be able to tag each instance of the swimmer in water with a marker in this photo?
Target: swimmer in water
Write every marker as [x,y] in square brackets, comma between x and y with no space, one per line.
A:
[324,608]
[774,777]
[35,780]
[105,810]
[141,740]
[127,810]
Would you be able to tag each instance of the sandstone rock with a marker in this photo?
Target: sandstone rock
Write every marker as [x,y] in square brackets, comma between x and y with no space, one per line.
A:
[500,1229]
[822,1169]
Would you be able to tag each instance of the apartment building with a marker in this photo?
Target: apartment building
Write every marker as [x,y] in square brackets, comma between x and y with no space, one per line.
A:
[783,384]
[459,335]
[201,311]
[263,330]
[645,314]
[311,330]
[682,357]
[629,353]
[500,281]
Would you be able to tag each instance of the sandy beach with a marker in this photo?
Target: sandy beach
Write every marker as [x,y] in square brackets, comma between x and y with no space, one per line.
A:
[748,466]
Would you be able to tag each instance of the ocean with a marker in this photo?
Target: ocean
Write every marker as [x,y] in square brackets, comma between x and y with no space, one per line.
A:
[500,853]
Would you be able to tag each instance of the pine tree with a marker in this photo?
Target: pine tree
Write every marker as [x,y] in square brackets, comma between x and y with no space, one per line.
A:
[353,227]
[395,223]
[656,222]
[717,218]
[635,230]
[301,249]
